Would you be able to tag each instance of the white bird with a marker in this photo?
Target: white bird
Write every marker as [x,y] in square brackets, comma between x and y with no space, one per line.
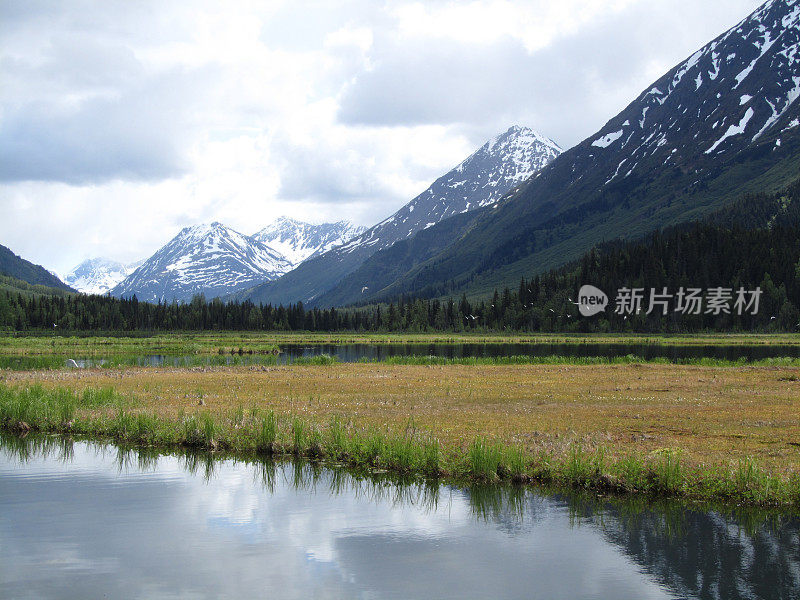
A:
[72,364]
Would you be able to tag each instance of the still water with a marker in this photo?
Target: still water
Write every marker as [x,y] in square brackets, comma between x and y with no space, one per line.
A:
[84,520]
[356,352]
[379,352]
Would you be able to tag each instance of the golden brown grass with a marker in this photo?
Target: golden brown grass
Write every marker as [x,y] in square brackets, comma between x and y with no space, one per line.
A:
[714,415]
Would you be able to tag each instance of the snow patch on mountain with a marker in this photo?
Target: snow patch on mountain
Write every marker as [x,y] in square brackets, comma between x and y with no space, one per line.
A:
[733,130]
[298,241]
[607,140]
[738,88]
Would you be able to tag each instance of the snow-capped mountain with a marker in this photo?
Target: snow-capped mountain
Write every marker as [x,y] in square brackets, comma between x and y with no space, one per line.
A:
[98,275]
[480,180]
[722,123]
[209,259]
[298,241]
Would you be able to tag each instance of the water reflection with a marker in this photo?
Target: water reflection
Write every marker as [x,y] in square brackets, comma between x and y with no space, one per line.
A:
[81,519]
[357,352]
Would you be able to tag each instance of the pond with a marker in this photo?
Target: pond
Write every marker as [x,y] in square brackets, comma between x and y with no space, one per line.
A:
[87,520]
[290,353]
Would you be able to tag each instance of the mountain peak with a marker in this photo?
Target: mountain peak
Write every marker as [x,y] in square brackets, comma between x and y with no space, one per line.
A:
[522,136]
[512,156]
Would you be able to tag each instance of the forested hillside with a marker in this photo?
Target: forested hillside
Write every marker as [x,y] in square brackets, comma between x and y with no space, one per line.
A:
[17,267]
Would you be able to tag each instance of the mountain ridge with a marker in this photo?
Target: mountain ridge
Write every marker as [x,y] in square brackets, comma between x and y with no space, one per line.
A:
[208,259]
[215,260]
[298,240]
[479,180]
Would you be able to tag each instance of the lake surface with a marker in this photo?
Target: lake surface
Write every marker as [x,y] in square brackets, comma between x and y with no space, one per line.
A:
[85,520]
[378,352]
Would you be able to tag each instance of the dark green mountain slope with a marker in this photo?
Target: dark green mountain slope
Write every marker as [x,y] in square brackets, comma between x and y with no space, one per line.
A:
[722,123]
[19,268]
[383,268]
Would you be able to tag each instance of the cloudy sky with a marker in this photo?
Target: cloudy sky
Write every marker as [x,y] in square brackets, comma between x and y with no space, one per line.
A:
[121,121]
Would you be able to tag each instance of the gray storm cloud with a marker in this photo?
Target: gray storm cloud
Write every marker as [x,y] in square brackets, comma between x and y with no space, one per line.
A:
[567,89]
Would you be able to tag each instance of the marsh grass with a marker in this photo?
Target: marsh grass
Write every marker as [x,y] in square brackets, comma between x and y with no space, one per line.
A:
[667,472]
[314,444]
[231,349]
[662,474]
[485,459]
[578,467]
[338,440]
[431,458]
[298,436]
[266,434]
[632,472]
[173,344]
[100,398]
[517,462]
[228,342]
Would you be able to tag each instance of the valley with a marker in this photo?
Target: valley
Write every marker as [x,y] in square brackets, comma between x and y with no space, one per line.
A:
[346,321]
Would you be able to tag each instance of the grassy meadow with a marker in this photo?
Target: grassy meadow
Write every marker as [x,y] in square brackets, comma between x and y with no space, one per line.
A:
[693,431]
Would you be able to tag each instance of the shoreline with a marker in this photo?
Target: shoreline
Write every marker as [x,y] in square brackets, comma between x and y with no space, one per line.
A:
[104,414]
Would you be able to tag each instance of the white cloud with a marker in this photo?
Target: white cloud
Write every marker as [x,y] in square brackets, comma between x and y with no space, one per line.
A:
[121,122]
[536,23]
